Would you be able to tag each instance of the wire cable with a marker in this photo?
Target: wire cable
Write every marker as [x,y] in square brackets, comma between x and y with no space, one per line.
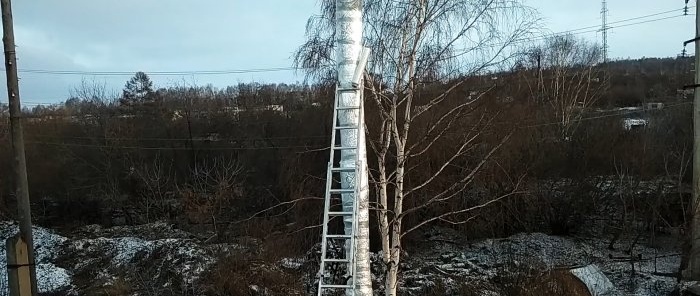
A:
[317,148]
[198,139]
[626,112]
[157,73]
[170,148]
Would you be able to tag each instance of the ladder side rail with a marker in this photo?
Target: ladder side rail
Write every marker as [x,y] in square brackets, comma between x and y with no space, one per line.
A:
[324,239]
[359,174]
[351,252]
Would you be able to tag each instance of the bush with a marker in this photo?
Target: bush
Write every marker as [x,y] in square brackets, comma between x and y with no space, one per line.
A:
[244,274]
[552,283]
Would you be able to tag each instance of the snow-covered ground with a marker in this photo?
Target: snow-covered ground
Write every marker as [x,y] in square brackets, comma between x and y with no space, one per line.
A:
[163,258]
[50,278]
[645,271]
[156,253]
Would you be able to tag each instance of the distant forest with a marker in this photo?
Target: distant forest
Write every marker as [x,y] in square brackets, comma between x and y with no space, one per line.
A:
[251,158]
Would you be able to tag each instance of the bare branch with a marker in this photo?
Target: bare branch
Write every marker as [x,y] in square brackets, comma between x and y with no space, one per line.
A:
[292,202]
[461,211]
[462,183]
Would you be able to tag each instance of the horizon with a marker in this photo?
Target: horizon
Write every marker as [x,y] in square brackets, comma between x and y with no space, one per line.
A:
[57,50]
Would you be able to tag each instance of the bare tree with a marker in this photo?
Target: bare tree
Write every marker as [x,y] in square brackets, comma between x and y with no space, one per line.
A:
[157,182]
[563,74]
[91,109]
[214,185]
[418,44]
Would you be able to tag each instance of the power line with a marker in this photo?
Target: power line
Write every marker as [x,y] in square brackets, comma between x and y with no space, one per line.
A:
[589,29]
[180,139]
[649,21]
[157,73]
[626,112]
[574,32]
[170,148]
[647,16]
[607,115]
[621,21]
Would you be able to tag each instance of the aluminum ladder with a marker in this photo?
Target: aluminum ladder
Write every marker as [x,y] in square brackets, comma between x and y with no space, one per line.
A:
[328,284]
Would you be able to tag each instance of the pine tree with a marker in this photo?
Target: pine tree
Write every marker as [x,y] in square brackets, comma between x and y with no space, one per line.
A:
[138,91]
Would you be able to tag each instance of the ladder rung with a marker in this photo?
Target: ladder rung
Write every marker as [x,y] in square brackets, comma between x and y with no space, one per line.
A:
[335,260]
[342,169]
[348,108]
[343,236]
[344,148]
[340,213]
[345,127]
[342,191]
[337,286]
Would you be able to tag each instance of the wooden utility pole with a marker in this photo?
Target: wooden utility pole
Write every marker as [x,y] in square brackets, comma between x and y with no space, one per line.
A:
[693,271]
[19,161]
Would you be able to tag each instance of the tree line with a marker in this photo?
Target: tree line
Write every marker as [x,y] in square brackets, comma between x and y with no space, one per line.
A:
[97,149]
[251,158]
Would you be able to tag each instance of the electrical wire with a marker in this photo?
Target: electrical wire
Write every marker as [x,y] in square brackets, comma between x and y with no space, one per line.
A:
[170,148]
[310,148]
[157,73]
[576,31]
[179,139]
[608,115]
[648,21]
[627,20]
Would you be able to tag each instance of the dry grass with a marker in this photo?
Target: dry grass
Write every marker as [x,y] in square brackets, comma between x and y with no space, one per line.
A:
[237,275]
[550,283]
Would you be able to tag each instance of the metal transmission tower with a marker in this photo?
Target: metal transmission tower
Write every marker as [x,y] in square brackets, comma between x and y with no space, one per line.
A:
[604,29]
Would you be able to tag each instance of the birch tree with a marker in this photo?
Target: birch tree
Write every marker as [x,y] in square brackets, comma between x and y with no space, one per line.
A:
[417,44]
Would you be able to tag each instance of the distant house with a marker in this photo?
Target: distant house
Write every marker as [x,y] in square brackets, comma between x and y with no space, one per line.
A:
[235,110]
[653,106]
[684,93]
[634,123]
[276,108]
[628,109]
[209,137]
[177,114]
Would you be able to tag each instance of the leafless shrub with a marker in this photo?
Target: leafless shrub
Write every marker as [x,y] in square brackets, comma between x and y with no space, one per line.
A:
[156,192]
[213,188]
[242,274]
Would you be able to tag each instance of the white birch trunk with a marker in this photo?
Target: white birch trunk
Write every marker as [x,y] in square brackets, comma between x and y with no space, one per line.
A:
[349,44]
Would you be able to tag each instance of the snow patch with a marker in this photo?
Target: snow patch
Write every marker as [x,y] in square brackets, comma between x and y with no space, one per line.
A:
[47,244]
[630,123]
[292,263]
[645,272]
[595,280]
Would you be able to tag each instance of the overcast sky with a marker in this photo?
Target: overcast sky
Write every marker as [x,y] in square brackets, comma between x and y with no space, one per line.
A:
[176,35]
